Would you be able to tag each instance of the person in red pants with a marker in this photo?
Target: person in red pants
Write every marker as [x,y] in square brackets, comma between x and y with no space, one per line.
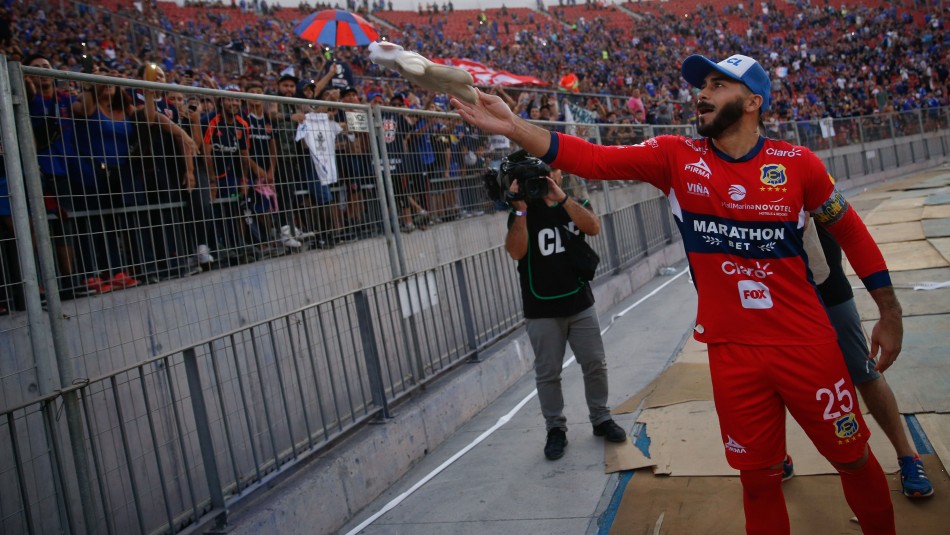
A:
[741,202]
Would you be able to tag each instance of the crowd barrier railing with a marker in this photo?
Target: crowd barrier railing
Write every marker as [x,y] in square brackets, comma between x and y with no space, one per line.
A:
[161,406]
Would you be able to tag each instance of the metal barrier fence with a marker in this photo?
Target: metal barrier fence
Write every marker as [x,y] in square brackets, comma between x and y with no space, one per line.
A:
[155,408]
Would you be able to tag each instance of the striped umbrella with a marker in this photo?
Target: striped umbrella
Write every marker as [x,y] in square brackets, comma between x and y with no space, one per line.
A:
[335,27]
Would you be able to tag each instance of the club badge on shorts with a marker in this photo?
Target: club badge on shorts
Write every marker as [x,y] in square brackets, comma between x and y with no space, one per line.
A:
[846,426]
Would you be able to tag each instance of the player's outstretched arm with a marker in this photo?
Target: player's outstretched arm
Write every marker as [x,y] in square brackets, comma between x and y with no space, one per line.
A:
[493,116]
[888,333]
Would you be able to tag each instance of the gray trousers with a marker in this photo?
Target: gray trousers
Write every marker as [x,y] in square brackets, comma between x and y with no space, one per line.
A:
[549,338]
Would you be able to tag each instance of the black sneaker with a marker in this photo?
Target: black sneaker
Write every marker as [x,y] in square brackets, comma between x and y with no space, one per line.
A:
[554,447]
[611,431]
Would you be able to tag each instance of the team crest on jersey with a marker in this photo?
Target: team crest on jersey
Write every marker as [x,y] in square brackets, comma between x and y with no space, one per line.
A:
[773,175]
[846,426]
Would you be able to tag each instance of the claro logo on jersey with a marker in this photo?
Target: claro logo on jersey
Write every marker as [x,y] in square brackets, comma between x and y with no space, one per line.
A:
[759,271]
[755,295]
[689,143]
[793,153]
[700,168]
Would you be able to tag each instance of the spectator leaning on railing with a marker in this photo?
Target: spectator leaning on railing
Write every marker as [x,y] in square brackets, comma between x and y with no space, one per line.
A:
[50,117]
[227,159]
[103,174]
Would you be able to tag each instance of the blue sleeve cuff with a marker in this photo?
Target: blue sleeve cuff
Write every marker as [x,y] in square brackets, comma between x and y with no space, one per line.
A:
[877,280]
[551,154]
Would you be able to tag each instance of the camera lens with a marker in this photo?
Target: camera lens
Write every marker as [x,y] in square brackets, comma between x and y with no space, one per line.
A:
[536,188]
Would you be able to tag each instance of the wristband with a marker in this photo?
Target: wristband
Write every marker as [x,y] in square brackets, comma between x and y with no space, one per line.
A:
[565,199]
[518,212]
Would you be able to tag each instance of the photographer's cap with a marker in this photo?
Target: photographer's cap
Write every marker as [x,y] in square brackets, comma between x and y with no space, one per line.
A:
[738,67]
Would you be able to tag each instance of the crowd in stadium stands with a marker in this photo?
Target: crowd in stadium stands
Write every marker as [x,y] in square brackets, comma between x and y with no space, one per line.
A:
[106,149]
[873,56]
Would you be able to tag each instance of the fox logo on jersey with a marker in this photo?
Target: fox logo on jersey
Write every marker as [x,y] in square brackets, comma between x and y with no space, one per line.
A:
[773,174]
[754,294]
[846,426]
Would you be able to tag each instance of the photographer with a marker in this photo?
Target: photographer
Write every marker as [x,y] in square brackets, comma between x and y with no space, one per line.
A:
[558,303]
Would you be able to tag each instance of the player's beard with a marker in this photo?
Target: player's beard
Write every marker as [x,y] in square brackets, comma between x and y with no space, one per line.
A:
[725,119]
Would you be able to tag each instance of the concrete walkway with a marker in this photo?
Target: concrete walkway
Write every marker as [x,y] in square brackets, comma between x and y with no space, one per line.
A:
[491,476]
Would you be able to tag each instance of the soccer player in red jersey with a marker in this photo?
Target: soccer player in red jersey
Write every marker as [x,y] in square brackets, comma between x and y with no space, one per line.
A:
[741,202]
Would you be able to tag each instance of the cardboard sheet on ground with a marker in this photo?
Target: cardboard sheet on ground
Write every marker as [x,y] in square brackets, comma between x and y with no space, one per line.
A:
[685,441]
[904,256]
[942,245]
[677,384]
[940,198]
[624,456]
[816,505]
[937,429]
[885,217]
[938,211]
[902,204]
[920,376]
[913,302]
[692,345]
[693,357]
[897,232]
[936,228]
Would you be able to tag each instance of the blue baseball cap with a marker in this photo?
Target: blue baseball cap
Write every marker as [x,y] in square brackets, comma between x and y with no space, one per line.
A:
[738,67]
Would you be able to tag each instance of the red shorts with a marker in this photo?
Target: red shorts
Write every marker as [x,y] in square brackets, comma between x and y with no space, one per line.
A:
[753,385]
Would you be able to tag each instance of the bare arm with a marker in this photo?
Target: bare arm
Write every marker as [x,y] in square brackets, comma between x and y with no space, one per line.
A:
[583,217]
[888,332]
[322,82]
[86,105]
[493,116]
[516,241]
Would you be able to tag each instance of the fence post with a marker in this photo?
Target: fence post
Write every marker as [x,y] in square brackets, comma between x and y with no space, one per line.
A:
[610,231]
[641,228]
[203,429]
[18,134]
[923,134]
[371,352]
[667,221]
[467,313]
[384,183]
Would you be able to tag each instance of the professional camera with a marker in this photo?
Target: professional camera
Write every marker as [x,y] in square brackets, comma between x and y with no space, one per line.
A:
[530,173]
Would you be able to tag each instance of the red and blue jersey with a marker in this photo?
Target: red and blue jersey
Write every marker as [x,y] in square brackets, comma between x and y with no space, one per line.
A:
[742,222]
[228,140]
